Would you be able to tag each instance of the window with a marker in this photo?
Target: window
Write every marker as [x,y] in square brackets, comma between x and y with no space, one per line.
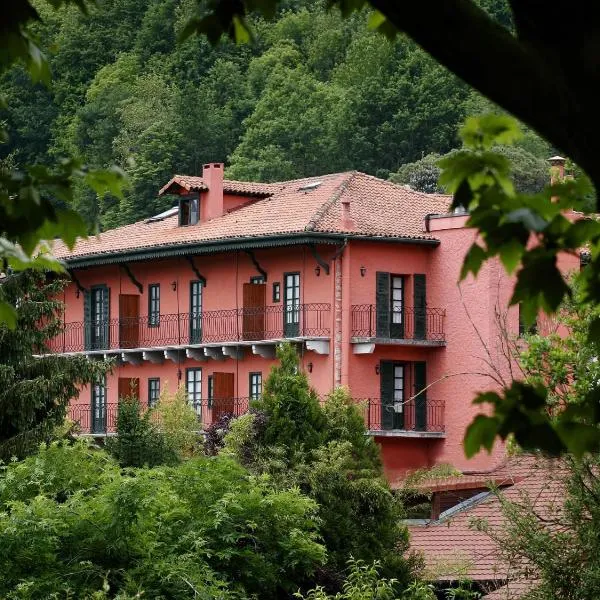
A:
[195,312]
[99,405]
[257,279]
[153,305]
[292,304]
[189,213]
[211,388]
[255,386]
[397,289]
[153,391]
[193,387]
[276,291]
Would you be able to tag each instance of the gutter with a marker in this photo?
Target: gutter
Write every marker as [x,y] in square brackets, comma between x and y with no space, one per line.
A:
[176,250]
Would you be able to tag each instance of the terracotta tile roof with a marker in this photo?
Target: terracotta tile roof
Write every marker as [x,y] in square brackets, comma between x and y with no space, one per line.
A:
[454,549]
[197,184]
[377,207]
[513,590]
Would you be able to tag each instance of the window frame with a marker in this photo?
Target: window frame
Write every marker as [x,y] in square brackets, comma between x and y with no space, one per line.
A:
[151,381]
[153,305]
[191,212]
[251,385]
[258,279]
[195,402]
[276,291]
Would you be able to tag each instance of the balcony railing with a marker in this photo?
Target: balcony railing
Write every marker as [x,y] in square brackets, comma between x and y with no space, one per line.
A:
[417,415]
[233,325]
[425,324]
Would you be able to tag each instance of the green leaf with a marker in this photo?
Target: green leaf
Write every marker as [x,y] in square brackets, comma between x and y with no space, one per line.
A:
[473,261]
[481,433]
[510,254]
[242,33]
[8,315]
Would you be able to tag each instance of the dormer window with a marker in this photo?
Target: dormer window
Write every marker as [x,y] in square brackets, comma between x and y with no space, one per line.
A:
[189,210]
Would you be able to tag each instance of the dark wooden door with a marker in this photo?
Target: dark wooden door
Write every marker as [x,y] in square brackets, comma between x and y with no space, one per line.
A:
[223,395]
[253,316]
[129,387]
[392,380]
[291,305]
[129,321]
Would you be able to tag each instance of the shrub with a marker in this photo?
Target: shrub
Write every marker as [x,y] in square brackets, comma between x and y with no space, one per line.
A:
[138,441]
[74,525]
[177,422]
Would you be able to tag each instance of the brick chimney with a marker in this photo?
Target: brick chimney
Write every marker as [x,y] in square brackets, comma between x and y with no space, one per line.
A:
[348,222]
[557,171]
[212,201]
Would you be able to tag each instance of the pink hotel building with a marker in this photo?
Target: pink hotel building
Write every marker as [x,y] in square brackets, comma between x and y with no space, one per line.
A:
[358,273]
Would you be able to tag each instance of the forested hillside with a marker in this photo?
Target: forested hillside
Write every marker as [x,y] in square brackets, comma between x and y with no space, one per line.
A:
[314,94]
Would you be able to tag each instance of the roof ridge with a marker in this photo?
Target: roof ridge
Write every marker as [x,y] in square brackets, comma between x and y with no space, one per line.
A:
[326,206]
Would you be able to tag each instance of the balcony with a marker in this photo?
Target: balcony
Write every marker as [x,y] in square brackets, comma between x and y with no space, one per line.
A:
[408,327]
[419,417]
[423,418]
[211,330]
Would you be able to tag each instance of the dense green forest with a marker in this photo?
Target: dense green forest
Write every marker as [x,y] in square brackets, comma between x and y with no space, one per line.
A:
[315,93]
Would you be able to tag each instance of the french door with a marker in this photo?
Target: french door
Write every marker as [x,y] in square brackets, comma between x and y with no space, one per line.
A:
[195,312]
[393,388]
[291,305]
[397,306]
[99,318]
[99,405]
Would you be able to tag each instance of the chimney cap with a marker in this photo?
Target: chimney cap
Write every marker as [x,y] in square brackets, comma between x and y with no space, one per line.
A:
[557,159]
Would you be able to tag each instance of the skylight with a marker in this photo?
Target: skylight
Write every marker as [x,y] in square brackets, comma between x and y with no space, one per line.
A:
[163,215]
[313,185]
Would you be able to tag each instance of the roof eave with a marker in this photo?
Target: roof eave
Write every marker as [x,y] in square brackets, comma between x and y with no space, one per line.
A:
[230,244]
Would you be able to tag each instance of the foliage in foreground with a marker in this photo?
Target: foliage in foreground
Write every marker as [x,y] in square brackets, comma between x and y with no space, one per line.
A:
[35,392]
[73,524]
[326,452]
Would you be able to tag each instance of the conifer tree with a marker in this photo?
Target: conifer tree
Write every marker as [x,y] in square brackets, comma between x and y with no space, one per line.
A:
[35,390]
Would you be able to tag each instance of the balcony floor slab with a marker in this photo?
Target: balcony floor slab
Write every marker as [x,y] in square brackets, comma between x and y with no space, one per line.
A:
[402,433]
[398,342]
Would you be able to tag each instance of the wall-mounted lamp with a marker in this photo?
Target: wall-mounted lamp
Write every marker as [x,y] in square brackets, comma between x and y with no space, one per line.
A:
[377,369]
[317,270]
[174,286]
[309,367]
[363,271]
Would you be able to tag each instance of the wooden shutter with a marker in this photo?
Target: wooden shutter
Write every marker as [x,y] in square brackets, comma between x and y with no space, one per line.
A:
[129,387]
[382,292]
[87,320]
[129,320]
[386,374]
[223,392]
[254,303]
[106,313]
[420,379]
[420,306]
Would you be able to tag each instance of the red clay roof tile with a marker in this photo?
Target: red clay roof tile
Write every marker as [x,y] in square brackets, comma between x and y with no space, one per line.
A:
[377,207]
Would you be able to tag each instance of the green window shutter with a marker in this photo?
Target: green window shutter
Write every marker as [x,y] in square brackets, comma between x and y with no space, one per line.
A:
[420,305]
[382,297]
[87,320]
[420,378]
[386,374]
[106,313]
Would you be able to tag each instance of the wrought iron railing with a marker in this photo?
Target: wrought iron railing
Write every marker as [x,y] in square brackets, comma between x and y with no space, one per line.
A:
[425,324]
[418,415]
[233,325]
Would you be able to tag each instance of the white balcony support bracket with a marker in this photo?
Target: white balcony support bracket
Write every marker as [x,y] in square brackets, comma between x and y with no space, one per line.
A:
[318,346]
[173,355]
[215,353]
[363,348]
[195,353]
[133,358]
[154,357]
[264,350]
[234,352]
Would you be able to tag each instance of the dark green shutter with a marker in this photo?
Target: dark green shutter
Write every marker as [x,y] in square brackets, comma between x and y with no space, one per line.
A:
[420,304]
[87,320]
[383,304]
[420,373]
[106,313]
[386,373]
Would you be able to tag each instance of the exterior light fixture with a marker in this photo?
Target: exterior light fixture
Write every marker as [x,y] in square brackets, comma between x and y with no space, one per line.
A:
[309,367]
[317,270]
[363,270]
[77,293]
[377,369]
[174,286]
